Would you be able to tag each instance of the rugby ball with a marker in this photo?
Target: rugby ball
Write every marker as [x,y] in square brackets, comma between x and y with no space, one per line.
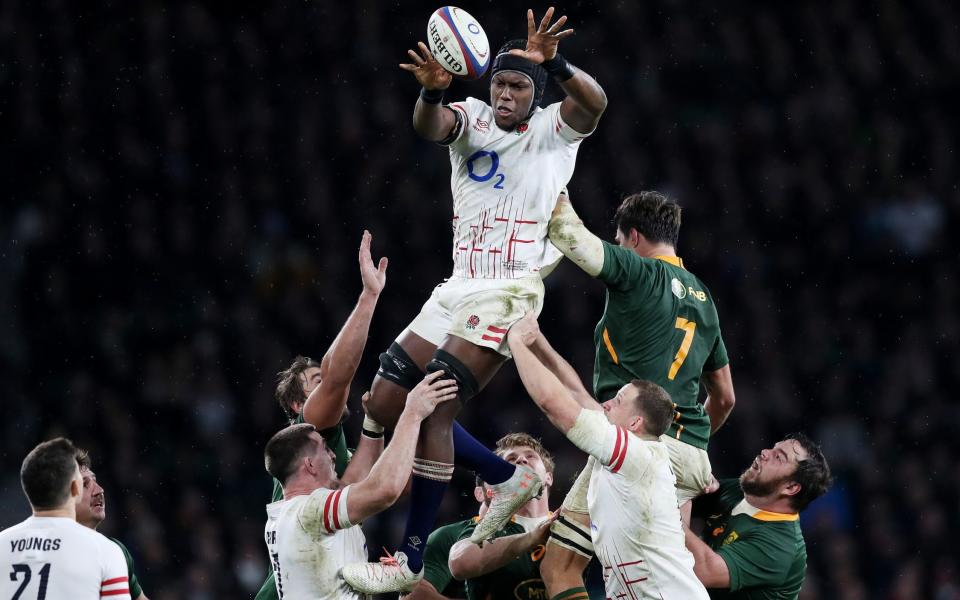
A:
[458,42]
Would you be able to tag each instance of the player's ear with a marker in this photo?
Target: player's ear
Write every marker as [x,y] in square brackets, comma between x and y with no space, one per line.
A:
[636,238]
[478,494]
[548,482]
[636,425]
[791,488]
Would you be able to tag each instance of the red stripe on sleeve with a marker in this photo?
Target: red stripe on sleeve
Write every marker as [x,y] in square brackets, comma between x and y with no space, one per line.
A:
[336,509]
[616,448]
[490,338]
[113,581]
[115,592]
[623,452]
[326,512]
[496,329]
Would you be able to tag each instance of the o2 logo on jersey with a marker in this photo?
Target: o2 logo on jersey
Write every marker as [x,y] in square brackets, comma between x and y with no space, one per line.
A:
[482,166]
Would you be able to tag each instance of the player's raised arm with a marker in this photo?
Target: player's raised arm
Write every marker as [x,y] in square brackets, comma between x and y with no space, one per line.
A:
[586,100]
[720,396]
[469,560]
[388,477]
[533,338]
[369,448]
[431,119]
[326,402]
[568,233]
[546,389]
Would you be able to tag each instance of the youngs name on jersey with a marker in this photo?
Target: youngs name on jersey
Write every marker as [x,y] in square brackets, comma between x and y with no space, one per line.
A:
[34,543]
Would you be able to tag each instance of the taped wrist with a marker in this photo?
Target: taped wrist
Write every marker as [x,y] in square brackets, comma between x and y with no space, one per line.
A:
[371,428]
[431,96]
[559,68]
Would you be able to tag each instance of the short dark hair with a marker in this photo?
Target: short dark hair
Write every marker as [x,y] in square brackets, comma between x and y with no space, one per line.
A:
[47,471]
[652,214]
[83,459]
[285,448]
[290,387]
[655,406]
[813,473]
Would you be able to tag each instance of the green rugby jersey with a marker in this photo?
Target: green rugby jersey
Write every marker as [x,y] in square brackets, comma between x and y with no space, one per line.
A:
[659,324]
[436,559]
[517,580]
[764,551]
[134,583]
[337,442]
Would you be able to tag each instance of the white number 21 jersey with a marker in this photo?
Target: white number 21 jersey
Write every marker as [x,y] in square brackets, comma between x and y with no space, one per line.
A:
[56,558]
[505,185]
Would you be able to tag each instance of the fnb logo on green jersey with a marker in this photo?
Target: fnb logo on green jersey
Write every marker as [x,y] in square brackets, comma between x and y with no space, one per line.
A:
[680,291]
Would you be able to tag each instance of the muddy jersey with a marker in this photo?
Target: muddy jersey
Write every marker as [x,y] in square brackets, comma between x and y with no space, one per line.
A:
[505,185]
[309,539]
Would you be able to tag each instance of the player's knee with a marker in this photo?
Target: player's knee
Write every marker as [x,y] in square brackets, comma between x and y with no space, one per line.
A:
[397,367]
[466,382]
[397,375]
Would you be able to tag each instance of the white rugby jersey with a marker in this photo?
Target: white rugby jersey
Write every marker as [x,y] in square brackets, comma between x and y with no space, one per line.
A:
[310,538]
[634,518]
[505,185]
[56,558]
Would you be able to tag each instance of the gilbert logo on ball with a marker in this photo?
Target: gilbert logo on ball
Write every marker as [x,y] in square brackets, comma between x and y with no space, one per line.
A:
[458,42]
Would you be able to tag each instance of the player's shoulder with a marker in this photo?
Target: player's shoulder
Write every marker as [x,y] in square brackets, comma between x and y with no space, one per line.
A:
[471,106]
[15,530]
[126,552]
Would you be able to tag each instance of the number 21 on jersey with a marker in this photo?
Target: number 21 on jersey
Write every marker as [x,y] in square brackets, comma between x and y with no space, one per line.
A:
[688,328]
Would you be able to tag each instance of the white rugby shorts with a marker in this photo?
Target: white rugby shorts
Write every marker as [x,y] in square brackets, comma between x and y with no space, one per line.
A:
[480,311]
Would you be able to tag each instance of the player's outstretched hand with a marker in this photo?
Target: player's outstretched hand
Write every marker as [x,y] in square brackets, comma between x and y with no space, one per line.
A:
[525,331]
[540,534]
[427,70]
[430,392]
[542,41]
[374,276]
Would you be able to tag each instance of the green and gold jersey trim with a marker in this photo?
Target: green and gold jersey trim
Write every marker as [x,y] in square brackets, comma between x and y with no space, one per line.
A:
[673,260]
[745,508]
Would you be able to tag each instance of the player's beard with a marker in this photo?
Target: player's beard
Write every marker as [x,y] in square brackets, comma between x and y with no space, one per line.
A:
[762,489]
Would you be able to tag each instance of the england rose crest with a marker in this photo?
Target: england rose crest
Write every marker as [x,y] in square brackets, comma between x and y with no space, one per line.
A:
[473,321]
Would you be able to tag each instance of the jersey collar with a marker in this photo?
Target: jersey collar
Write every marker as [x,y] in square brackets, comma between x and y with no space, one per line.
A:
[673,260]
[745,508]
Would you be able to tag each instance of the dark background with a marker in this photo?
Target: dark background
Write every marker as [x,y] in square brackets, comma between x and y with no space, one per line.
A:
[185,186]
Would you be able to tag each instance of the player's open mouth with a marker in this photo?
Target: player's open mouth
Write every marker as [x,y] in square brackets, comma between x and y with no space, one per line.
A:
[756,464]
[503,111]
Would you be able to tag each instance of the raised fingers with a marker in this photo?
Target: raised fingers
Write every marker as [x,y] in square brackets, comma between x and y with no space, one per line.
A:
[556,26]
[425,52]
[545,21]
[417,59]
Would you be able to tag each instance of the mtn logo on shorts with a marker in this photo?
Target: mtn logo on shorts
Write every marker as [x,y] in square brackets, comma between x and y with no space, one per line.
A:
[473,321]
[731,538]
[678,289]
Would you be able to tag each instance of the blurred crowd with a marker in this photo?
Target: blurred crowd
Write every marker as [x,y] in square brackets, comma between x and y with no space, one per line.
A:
[185,186]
